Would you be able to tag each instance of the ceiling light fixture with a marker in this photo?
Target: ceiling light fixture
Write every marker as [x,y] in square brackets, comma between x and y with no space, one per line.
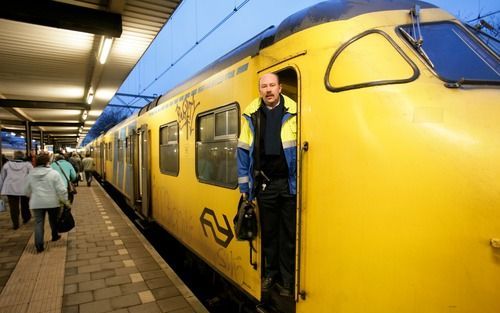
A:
[105,49]
[84,115]
[90,98]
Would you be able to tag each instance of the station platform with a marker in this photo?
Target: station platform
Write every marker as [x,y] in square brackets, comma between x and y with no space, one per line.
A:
[103,265]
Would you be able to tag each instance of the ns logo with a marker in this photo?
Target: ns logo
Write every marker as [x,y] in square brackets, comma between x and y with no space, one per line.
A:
[223,234]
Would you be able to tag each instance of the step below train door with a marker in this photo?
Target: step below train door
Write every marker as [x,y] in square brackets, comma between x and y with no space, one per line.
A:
[142,173]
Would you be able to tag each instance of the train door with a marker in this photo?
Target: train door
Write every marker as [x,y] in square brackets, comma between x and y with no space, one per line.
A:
[289,80]
[143,189]
[102,157]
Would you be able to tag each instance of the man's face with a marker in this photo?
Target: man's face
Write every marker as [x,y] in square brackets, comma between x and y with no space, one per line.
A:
[269,89]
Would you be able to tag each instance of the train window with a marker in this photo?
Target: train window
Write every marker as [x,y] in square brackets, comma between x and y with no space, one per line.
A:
[120,150]
[169,148]
[110,150]
[226,123]
[490,41]
[453,53]
[216,141]
[127,150]
[353,67]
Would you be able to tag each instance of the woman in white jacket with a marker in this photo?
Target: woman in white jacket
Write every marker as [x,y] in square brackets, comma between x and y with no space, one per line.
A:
[12,181]
[47,191]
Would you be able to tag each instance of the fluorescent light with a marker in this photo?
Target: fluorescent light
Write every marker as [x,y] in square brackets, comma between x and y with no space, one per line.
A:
[90,98]
[84,115]
[105,49]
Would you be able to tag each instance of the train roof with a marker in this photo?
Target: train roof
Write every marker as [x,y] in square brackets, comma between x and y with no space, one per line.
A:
[335,10]
[323,12]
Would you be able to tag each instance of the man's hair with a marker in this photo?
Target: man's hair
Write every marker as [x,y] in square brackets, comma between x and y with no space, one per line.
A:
[274,74]
[58,157]
[18,155]
[42,159]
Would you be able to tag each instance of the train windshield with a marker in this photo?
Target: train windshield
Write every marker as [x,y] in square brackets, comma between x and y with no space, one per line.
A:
[452,52]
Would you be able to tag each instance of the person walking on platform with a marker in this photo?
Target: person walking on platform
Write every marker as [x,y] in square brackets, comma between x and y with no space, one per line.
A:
[69,174]
[88,168]
[267,159]
[12,180]
[47,191]
[76,161]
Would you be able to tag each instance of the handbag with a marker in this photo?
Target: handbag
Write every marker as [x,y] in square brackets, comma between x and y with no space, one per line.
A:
[245,221]
[245,226]
[71,187]
[66,222]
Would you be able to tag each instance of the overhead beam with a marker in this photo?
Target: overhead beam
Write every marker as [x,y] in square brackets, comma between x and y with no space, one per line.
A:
[63,15]
[60,132]
[17,114]
[124,106]
[32,104]
[135,96]
[11,122]
[55,124]
[13,130]
[64,137]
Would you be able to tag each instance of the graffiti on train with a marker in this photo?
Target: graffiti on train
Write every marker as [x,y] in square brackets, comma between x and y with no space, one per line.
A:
[185,114]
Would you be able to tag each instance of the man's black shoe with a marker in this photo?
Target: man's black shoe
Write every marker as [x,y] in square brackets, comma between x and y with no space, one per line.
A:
[285,289]
[267,283]
[56,238]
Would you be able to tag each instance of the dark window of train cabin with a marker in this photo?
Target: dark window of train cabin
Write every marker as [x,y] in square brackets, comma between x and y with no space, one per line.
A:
[169,148]
[216,144]
[453,53]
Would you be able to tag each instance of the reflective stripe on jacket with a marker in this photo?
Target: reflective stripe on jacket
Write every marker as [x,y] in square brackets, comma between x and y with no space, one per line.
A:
[246,146]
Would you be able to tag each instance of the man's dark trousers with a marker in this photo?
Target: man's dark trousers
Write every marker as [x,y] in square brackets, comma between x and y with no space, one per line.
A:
[277,209]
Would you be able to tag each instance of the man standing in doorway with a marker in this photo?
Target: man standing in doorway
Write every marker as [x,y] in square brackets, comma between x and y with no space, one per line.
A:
[267,156]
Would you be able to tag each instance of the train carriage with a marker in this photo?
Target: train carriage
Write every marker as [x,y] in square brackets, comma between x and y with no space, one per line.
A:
[398,144]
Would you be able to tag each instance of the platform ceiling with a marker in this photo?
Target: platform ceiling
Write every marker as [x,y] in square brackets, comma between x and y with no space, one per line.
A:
[49,65]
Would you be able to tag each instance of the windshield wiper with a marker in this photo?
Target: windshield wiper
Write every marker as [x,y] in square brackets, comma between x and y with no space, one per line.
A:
[416,43]
[475,82]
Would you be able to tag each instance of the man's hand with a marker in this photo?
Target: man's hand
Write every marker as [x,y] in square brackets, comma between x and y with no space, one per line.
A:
[244,195]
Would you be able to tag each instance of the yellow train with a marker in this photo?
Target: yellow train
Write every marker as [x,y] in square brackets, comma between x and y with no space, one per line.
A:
[398,159]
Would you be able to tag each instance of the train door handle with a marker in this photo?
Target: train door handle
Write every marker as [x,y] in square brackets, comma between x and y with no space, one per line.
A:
[305,146]
[495,243]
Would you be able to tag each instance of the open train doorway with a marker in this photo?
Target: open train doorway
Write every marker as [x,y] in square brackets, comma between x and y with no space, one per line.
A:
[281,295]
[102,160]
[142,176]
